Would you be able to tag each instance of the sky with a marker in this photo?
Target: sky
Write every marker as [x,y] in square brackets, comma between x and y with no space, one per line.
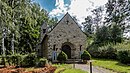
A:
[77,8]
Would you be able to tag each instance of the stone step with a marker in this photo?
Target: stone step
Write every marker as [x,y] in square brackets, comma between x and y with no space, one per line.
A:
[73,60]
[70,61]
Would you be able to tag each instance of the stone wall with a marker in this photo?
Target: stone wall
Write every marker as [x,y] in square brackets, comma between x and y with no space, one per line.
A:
[66,31]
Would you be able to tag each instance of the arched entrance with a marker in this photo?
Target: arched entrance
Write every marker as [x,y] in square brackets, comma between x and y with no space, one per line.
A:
[67,49]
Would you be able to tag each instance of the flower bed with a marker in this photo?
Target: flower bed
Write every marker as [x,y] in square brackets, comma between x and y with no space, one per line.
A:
[12,69]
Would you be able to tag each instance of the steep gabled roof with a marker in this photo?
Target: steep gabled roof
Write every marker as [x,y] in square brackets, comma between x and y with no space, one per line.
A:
[63,18]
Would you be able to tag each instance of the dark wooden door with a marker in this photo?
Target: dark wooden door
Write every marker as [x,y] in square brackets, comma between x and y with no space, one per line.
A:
[66,49]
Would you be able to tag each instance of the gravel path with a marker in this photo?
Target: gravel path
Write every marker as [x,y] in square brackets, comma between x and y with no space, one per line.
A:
[95,69]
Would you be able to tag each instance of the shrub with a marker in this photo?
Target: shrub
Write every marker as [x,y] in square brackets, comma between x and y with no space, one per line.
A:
[85,55]
[42,62]
[94,51]
[3,60]
[111,53]
[107,52]
[62,57]
[124,56]
[29,60]
[16,59]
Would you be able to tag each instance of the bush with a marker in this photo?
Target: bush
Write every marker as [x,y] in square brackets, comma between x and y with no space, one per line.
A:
[94,51]
[29,60]
[111,53]
[85,55]
[42,62]
[124,56]
[16,59]
[62,57]
[3,60]
[107,52]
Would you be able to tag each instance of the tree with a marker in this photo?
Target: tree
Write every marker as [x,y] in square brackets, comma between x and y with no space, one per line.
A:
[98,16]
[24,19]
[118,12]
[88,25]
[116,34]
[102,36]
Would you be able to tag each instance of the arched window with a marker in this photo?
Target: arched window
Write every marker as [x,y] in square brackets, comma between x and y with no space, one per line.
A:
[80,47]
[54,46]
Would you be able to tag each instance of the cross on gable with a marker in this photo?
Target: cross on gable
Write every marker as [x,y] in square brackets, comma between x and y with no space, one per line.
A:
[67,21]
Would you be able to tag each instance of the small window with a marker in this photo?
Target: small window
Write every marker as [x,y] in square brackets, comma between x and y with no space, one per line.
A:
[44,30]
[80,47]
[54,47]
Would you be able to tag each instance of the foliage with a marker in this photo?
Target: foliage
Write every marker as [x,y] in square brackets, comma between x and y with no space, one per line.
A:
[117,15]
[117,11]
[16,59]
[29,60]
[3,60]
[62,57]
[124,56]
[106,35]
[111,27]
[111,53]
[42,62]
[107,52]
[102,36]
[85,55]
[122,46]
[88,25]
[115,34]
[112,65]
[97,16]
[23,18]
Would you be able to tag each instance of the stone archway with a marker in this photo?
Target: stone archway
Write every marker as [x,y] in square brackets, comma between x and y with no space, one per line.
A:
[67,49]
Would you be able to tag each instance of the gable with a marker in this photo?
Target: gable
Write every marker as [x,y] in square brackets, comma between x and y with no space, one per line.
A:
[68,26]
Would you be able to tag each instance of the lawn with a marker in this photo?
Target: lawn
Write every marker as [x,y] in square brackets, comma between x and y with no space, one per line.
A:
[74,71]
[112,65]
[67,68]
[61,67]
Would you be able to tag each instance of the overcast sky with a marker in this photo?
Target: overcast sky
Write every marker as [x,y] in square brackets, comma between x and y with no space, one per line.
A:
[78,8]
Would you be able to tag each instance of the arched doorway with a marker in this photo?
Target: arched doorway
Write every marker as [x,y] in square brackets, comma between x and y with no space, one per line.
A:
[67,49]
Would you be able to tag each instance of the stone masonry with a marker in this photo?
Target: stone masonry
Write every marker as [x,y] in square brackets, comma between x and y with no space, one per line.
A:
[66,34]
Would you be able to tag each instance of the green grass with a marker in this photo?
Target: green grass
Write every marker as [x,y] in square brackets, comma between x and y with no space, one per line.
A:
[61,67]
[67,68]
[74,71]
[112,64]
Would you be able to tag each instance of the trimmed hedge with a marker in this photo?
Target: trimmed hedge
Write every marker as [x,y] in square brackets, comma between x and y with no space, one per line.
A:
[62,57]
[85,55]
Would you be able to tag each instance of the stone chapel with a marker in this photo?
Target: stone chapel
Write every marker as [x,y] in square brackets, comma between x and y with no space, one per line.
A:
[66,36]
